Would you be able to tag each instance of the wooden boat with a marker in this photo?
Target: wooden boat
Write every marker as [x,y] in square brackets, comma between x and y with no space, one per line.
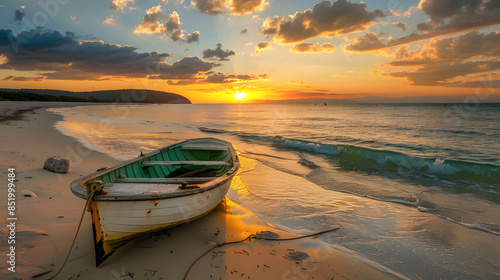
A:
[170,186]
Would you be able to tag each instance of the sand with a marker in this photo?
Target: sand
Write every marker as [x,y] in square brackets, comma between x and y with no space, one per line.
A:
[48,214]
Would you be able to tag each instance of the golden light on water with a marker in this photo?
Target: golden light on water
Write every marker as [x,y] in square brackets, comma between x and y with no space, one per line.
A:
[240,95]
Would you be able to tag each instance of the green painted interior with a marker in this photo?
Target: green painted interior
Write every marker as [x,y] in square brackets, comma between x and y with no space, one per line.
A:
[136,170]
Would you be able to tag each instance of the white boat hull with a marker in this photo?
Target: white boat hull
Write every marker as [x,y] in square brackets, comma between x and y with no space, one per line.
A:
[123,220]
[166,187]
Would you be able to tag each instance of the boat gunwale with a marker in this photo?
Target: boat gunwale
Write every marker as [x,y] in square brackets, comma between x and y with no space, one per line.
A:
[78,186]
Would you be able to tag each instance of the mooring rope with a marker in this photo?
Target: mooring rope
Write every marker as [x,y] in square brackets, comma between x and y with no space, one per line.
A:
[89,198]
[250,237]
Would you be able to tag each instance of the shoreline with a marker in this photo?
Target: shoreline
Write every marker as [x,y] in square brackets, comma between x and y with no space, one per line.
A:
[47,222]
[46,211]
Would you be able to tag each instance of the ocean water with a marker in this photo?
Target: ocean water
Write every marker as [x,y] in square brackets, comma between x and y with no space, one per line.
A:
[415,188]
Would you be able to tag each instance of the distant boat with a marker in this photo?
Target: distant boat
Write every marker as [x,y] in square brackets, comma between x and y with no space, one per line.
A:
[167,187]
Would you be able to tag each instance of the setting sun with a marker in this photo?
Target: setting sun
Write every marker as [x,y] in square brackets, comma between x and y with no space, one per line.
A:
[240,95]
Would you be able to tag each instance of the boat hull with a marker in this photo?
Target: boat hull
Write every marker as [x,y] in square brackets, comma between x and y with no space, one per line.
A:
[121,221]
[148,194]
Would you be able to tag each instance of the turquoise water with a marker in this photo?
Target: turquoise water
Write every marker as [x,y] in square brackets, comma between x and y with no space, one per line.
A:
[414,180]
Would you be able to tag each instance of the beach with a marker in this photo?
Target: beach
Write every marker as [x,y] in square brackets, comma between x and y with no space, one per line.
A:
[47,216]
[367,135]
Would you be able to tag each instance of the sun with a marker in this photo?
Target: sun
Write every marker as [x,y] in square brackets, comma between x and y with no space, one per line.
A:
[240,95]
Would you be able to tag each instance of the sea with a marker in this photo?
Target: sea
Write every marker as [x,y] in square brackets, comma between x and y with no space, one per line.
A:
[414,188]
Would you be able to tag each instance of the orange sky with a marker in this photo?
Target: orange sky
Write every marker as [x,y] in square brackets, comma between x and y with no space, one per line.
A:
[270,50]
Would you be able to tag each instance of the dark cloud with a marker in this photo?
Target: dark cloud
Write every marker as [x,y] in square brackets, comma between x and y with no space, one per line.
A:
[210,7]
[313,48]
[443,61]
[401,25]
[487,84]
[271,25]
[173,22]
[246,6]
[218,53]
[51,51]
[238,7]
[177,35]
[262,46]
[23,79]
[370,39]
[441,9]
[191,68]
[324,19]
[446,17]
[18,15]
[57,56]
[194,37]
[444,73]
[219,78]
[469,45]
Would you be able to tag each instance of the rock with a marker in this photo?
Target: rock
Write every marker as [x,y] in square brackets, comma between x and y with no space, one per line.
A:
[267,235]
[57,165]
[296,256]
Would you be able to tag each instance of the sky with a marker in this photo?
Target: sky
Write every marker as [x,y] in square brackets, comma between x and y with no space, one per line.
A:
[228,51]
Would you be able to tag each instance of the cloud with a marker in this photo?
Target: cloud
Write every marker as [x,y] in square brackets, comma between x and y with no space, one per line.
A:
[59,56]
[192,70]
[444,73]
[177,35]
[188,68]
[218,53]
[119,5]
[247,6]
[236,7]
[219,78]
[156,22]
[18,15]
[370,40]
[401,25]
[210,7]
[23,79]
[447,17]
[110,21]
[151,21]
[244,31]
[441,9]
[173,22]
[194,37]
[263,46]
[488,81]
[313,48]
[51,51]
[323,20]
[466,46]
[74,19]
[462,61]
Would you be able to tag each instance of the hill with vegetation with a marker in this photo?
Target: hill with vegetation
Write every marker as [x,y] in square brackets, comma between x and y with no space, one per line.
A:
[115,96]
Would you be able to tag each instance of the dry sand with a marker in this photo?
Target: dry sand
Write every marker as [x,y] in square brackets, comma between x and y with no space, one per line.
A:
[47,223]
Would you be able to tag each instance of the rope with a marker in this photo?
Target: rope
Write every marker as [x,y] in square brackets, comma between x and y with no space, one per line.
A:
[89,197]
[250,237]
